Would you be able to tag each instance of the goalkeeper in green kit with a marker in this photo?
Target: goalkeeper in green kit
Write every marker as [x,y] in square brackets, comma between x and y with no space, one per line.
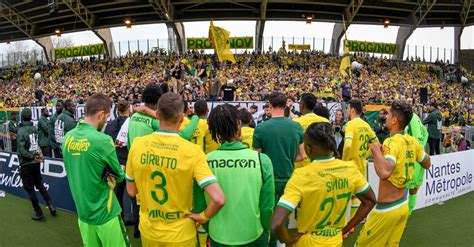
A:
[416,129]
[92,170]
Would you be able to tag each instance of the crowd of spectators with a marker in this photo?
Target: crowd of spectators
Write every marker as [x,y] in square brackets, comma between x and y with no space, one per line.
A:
[198,76]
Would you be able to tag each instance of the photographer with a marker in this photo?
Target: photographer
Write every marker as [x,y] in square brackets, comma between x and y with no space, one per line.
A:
[338,126]
[30,156]
[380,126]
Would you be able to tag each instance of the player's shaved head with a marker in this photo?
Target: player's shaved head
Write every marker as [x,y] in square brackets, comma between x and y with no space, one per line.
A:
[170,107]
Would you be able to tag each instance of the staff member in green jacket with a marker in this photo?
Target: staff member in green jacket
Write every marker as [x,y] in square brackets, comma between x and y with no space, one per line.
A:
[56,148]
[30,157]
[65,122]
[89,156]
[435,125]
[43,134]
[246,177]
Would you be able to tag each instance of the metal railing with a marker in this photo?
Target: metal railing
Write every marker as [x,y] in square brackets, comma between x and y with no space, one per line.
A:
[122,48]
[12,59]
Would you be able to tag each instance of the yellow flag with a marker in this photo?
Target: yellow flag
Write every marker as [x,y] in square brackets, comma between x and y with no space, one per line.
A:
[345,67]
[219,38]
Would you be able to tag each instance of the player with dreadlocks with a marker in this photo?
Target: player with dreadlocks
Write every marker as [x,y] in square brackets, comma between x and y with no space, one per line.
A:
[250,204]
[326,185]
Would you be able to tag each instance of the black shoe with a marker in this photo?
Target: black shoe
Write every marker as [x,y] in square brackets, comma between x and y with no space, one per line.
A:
[136,232]
[52,209]
[38,217]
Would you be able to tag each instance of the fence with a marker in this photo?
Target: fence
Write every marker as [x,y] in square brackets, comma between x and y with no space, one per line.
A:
[121,48]
[274,43]
[12,59]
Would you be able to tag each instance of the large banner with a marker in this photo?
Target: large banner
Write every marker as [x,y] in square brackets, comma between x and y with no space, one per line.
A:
[235,43]
[371,47]
[450,176]
[54,180]
[332,106]
[299,47]
[36,111]
[79,51]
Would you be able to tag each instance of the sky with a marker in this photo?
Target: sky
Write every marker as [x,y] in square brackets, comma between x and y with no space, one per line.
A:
[317,33]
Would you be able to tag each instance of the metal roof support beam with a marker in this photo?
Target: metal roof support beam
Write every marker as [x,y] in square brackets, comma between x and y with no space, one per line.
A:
[176,37]
[25,26]
[418,16]
[466,8]
[108,40]
[259,28]
[339,29]
[402,36]
[164,9]
[457,43]
[47,44]
[263,10]
[464,15]
[89,18]
[423,8]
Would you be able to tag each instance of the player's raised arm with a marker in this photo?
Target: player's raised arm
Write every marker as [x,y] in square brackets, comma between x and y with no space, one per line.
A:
[383,166]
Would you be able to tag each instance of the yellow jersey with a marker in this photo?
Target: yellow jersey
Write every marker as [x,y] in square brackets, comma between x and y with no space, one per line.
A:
[185,123]
[404,151]
[247,136]
[198,135]
[209,144]
[322,191]
[305,121]
[163,166]
[361,135]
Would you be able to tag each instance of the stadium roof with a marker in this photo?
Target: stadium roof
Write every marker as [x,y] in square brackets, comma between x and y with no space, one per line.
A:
[30,19]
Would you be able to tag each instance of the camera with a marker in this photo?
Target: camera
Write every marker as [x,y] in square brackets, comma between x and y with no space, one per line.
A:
[338,128]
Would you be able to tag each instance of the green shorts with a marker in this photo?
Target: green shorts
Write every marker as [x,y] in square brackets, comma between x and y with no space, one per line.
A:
[111,233]
[418,177]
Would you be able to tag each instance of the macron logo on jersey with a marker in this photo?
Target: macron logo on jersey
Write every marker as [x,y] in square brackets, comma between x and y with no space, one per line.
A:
[242,163]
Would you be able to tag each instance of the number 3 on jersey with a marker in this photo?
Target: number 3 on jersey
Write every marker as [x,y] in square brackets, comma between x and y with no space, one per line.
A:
[330,200]
[159,186]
